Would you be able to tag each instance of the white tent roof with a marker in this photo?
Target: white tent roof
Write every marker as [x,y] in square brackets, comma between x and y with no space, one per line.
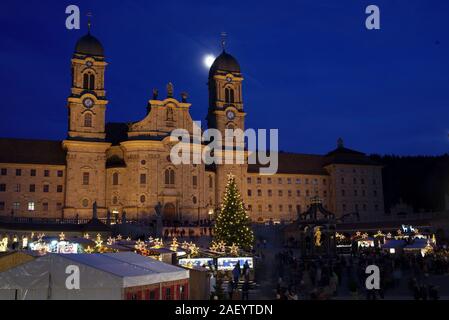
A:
[97,271]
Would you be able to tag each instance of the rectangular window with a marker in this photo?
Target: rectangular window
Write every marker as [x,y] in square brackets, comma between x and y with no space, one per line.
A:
[270,208]
[46,173]
[280,180]
[249,193]
[18,172]
[289,181]
[281,208]
[375,193]
[269,180]
[324,193]
[45,206]
[194,181]
[259,193]
[59,206]
[315,181]
[248,180]
[16,205]
[298,193]
[2,205]
[259,180]
[17,188]
[259,208]
[60,173]
[307,181]
[250,207]
[280,193]
[143,178]
[2,187]
[86,178]
[4,171]
[46,188]
[289,193]
[324,181]
[298,181]
[59,189]
[290,208]
[168,295]
[270,193]
[32,187]
[31,206]
[33,172]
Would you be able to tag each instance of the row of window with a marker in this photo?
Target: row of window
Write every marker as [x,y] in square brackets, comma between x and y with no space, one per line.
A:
[169,179]
[30,205]
[280,208]
[281,193]
[288,180]
[356,193]
[32,188]
[354,181]
[357,207]
[33,172]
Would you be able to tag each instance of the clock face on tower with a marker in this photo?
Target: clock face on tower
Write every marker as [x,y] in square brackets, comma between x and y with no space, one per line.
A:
[88,102]
[230,115]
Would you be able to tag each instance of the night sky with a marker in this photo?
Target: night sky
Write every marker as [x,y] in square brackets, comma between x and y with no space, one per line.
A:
[311,67]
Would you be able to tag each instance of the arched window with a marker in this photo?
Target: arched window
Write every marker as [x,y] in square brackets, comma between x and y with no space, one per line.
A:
[92,82]
[86,81]
[115,179]
[229,95]
[170,177]
[89,81]
[88,120]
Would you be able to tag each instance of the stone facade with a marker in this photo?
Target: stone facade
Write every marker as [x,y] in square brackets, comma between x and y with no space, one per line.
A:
[126,167]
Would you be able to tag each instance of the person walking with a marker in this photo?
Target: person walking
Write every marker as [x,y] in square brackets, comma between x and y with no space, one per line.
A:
[230,289]
[236,273]
[245,291]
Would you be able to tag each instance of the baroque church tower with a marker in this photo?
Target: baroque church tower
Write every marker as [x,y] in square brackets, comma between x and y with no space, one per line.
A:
[226,112]
[85,143]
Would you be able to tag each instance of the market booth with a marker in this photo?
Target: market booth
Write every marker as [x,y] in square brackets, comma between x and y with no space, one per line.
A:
[107,276]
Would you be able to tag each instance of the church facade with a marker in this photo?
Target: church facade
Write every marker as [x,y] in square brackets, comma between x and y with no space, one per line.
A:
[126,167]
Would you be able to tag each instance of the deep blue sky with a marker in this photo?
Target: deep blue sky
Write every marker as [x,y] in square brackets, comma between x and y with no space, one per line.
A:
[311,68]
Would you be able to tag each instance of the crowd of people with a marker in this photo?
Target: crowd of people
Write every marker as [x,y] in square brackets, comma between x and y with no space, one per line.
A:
[344,276]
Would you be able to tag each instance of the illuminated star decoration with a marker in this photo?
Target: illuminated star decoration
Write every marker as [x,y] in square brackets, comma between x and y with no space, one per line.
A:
[234,250]
[365,236]
[222,247]
[98,241]
[150,239]
[358,234]
[194,250]
[86,236]
[128,239]
[214,246]
[174,245]
[389,235]
[379,234]
[140,245]
[185,245]
[119,237]
[110,241]
[61,236]
[88,250]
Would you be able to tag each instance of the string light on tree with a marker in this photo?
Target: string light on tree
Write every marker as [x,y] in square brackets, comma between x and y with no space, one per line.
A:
[232,225]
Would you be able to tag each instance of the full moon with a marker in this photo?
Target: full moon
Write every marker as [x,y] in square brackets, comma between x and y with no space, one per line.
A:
[209,60]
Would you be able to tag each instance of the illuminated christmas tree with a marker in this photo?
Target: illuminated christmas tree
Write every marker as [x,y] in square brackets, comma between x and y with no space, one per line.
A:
[232,225]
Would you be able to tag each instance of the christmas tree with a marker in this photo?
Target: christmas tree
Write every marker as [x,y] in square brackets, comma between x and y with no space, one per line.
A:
[232,225]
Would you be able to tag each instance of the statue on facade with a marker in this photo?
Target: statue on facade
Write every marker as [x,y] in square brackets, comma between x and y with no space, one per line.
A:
[184,96]
[170,90]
